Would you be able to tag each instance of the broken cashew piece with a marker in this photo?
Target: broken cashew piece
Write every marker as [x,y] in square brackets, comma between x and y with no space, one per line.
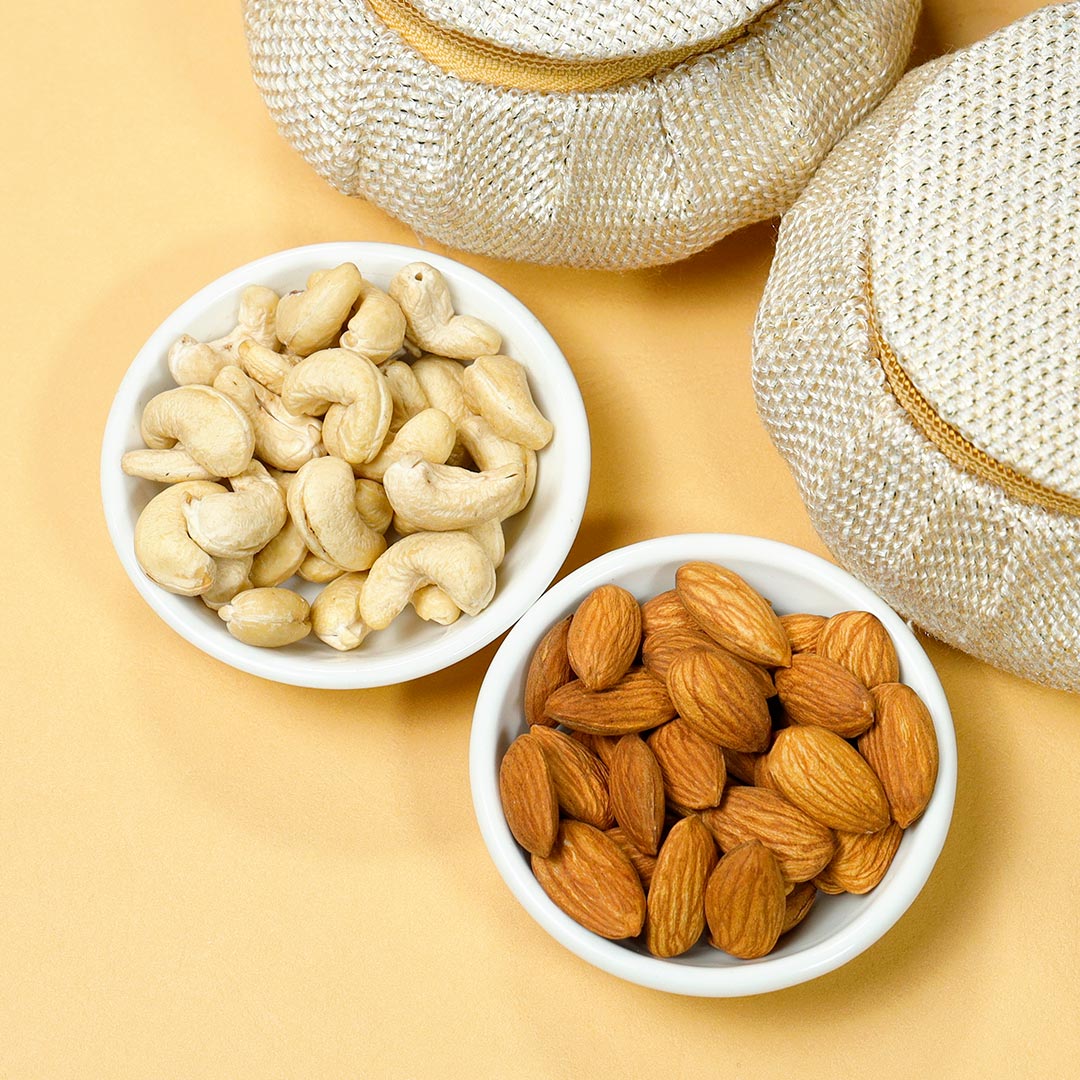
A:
[406,393]
[164,466]
[430,434]
[423,295]
[311,320]
[240,522]
[231,576]
[319,571]
[163,548]
[268,618]
[377,328]
[335,614]
[206,423]
[489,451]
[265,366]
[453,560]
[497,387]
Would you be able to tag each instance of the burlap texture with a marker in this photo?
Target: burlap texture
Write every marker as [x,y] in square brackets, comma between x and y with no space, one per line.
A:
[956,204]
[639,174]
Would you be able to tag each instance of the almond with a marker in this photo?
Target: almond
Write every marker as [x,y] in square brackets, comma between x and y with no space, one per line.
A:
[635,703]
[828,779]
[548,670]
[580,778]
[858,641]
[644,864]
[861,860]
[817,690]
[662,646]
[762,779]
[589,878]
[637,793]
[719,699]
[798,904]
[802,846]
[604,636]
[675,919]
[666,612]
[732,613]
[528,796]
[693,768]
[802,630]
[742,766]
[902,749]
[603,746]
[745,902]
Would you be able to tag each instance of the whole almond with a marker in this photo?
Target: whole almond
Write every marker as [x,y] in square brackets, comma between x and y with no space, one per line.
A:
[798,904]
[732,613]
[828,779]
[644,864]
[589,878]
[858,641]
[662,646]
[637,793]
[675,918]
[802,630]
[860,861]
[762,778]
[635,703]
[745,902]
[741,765]
[603,746]
[692,768]
[902,749]
[719,699]
[604,636]
[802,846]
[817,690]
[580,778]
[528,796]
[666,612]
[548,670]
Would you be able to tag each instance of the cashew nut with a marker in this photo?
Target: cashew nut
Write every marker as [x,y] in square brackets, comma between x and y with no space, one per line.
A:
[163,548]
[267,617]
[377,329]
[335,614]
[319,571]
[164,466]
[453,560]
[497,387]
[235,523]
[489,451]
[322,501]
[265,366]
[405,392]
[280,558]
[433,605]
[206,423]
[231,576]
[430,434]
[442,381]
[311,320]
[373,505]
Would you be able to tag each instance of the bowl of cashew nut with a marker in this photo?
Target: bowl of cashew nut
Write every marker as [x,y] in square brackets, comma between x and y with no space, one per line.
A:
[345,465]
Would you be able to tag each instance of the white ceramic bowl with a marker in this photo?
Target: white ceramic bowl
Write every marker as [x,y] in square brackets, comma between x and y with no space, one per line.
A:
[838,927]
[538,539]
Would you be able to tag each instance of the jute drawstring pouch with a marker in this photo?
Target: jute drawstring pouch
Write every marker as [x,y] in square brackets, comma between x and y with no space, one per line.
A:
[605,133]
[917,351]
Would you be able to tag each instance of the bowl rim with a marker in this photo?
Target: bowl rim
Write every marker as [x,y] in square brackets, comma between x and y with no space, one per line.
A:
[750,977]
[469,635]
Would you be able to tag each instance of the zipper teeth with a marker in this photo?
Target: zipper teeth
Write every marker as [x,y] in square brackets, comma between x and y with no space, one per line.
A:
[474,60]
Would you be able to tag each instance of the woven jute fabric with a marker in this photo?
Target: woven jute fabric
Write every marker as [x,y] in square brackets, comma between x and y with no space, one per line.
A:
[642,172]
[931,269]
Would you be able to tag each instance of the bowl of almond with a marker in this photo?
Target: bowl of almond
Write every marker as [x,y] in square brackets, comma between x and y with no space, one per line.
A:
[713,765]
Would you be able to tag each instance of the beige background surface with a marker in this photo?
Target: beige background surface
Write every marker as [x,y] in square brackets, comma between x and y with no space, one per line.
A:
[206,875]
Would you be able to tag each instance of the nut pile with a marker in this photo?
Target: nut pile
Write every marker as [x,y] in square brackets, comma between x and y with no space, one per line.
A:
[698,764]
[325,422]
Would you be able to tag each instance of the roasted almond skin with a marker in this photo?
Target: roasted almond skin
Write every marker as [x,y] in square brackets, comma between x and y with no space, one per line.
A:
[604,636]
[662,646]
[828,779]
[580,778]
[635,703]
[802,630]
[745,902]
[693,769]
[675,919]
[861,860]
[902,749]
[732,613]
[817,690]
[803,847]
[603,746]
[666,612]
[798,904]
[644,864]
[858,641]
[637,793]
[719,699]
[528,796]
[740,765]
[589,878]
[548,670]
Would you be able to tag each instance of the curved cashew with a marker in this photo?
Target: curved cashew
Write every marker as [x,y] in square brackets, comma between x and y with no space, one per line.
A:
[489,451]
[164,466]
[454,561]
[406,393]
[442,498]
[206,423]
[235,523]
[231,576]
[424,296]
[377,329]
[311,320]
[497,387]
[430,434]
[322,501]
[442,382]
[335,614]
[163,548]
[280,558]
[433,605]
[265,366]
[319,571]
[373,505]
[269,618]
